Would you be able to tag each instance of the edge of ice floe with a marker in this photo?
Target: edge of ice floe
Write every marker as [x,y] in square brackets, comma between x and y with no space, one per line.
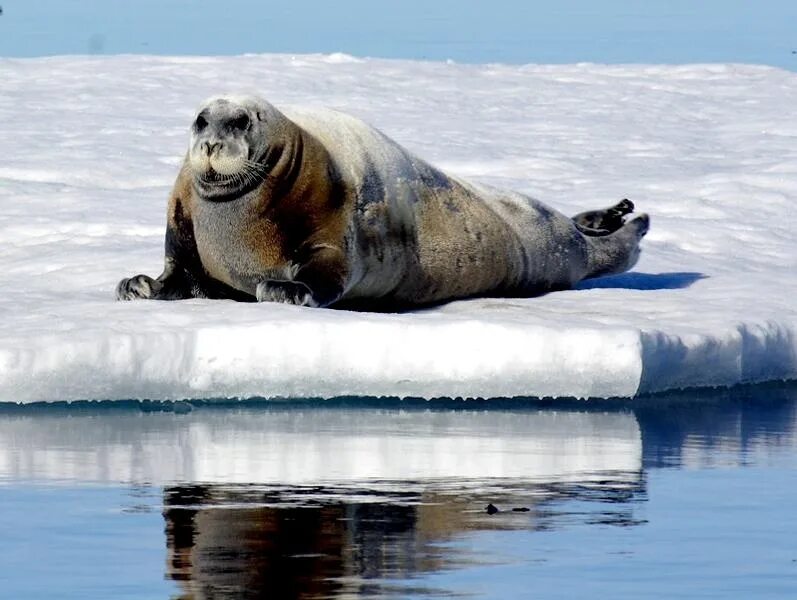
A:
[375,358]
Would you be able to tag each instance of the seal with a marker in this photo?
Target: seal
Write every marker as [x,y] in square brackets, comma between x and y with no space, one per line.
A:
[316,208]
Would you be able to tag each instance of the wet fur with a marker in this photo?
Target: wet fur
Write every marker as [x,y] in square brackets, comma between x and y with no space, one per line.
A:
[340,214]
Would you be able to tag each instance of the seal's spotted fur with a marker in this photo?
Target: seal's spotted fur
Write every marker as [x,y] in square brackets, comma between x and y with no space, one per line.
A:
[318,208]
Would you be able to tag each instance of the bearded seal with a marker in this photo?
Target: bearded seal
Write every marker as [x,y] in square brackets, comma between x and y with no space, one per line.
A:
[316,208]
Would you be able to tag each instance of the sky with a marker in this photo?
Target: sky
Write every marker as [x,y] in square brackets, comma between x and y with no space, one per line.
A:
[468,31]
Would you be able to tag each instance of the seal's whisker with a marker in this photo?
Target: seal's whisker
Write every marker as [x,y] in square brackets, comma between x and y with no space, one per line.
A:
[253,172]
[254,165]
[246,178]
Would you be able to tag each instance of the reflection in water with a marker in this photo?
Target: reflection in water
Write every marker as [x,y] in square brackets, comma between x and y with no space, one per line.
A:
[730,427]
[318,542]
[345,500]
[257,552]
[301,444]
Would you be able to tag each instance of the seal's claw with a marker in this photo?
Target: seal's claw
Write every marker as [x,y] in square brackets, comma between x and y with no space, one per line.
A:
[141,287]
[285,292]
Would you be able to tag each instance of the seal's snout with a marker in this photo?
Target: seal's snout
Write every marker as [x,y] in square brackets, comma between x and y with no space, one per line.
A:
[209,149]
[228,145]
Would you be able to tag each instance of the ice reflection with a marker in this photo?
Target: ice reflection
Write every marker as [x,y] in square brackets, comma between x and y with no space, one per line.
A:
[300,444]
[697,429]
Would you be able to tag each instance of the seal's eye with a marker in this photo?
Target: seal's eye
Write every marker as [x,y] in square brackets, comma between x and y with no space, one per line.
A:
[201,123]
[241,122]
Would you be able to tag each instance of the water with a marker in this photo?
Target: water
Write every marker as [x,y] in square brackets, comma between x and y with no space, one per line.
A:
[514,31]
[688,495]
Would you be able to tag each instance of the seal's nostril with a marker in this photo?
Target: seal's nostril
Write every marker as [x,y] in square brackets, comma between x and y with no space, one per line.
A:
[209,148]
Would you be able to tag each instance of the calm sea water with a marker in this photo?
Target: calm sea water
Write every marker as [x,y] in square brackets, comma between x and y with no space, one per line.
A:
[687,496]
[514,31]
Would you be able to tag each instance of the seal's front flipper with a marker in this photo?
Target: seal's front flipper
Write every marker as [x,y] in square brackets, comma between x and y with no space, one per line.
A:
[603,222]
[170,285]
[138,287]
[285,292]
[316,281]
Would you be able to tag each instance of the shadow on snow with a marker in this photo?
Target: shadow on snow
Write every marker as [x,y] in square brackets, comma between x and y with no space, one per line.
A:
[644,281]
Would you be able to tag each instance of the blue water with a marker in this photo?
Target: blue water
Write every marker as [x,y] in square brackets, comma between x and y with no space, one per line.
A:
[513,31]
[693,498]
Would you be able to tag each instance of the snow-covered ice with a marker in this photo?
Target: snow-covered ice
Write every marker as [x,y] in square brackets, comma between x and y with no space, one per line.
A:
[90,147]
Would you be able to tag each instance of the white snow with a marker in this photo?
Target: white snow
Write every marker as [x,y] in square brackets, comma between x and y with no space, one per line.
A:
[90,147]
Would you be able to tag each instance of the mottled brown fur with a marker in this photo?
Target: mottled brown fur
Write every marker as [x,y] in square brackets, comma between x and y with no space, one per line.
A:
[451,227]
[294,218]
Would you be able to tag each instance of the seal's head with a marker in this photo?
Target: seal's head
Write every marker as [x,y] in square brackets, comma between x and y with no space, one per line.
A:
[230,141]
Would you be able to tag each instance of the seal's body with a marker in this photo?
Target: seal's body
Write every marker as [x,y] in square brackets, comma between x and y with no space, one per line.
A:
[317,208]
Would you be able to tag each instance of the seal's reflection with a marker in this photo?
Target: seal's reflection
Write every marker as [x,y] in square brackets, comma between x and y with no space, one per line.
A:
[314,542]
[293,552]
[253,552]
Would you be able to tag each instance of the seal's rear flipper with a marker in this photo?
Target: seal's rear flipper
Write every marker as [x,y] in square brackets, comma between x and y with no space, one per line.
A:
[603,222]
[623,207]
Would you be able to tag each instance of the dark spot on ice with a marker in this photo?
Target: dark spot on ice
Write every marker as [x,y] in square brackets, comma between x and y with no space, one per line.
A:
[491,509]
